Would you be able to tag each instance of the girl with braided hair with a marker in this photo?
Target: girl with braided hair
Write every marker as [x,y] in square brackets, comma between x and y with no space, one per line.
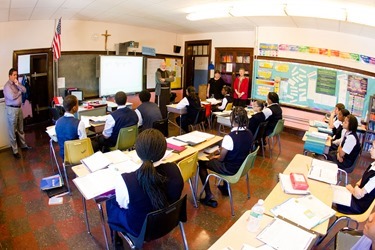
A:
[234,150]
[153,186]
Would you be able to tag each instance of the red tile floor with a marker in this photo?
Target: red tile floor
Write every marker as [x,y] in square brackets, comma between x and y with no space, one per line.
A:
[28,222]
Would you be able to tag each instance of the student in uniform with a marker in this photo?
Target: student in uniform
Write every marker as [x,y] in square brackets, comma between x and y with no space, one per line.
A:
[336,138]
[122,117]
[258,116]
[363,194]
[349,147]
[272,112]
[148,112]
[234,150]
[193,105]
[153,186]
[226,92]
[333,122]
[68,127]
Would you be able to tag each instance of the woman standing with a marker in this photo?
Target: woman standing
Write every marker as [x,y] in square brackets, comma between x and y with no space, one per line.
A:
[240,86]
[215,86]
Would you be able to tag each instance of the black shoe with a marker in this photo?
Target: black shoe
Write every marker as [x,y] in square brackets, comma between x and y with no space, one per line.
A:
[224,190]
[26,147]
[16,155]
[209,202]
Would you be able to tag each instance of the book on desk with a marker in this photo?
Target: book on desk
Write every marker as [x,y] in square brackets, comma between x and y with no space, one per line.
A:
[324,171]
[194,138]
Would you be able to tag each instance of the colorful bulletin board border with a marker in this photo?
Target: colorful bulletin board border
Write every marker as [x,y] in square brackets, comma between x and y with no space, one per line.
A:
[269,49]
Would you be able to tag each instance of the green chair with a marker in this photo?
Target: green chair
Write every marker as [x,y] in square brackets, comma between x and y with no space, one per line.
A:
[276,132]
[126,138]
[231,179]
[188,168]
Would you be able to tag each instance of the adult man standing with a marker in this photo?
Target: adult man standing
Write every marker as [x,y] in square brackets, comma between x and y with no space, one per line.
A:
[13,98]
[163,79]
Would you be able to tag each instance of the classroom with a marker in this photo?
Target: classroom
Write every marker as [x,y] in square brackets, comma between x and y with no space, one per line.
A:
[289,54]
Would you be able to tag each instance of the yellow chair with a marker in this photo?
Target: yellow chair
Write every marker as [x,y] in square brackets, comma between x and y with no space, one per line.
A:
[188,168]
[276,132]
[229,106]
[126,138]
[74,152]
[231,179]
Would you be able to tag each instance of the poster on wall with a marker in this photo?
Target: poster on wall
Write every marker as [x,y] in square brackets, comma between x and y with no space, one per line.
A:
[326,82]
[357,85]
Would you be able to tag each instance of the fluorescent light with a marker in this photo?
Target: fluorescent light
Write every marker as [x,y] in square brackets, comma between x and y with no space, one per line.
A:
[208,14]
[258,10]
[317,11]
[362,16]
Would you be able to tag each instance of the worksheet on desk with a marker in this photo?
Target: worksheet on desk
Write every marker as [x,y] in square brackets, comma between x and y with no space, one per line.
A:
[323,171]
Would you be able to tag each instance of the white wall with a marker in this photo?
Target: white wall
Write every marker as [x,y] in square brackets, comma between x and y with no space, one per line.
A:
[77,35]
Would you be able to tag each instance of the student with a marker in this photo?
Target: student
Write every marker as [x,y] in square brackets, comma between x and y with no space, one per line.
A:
[121,118]
[350,147]
[68,127]
[258,116]
[193,105]
[273,112]
[333,122]
[363,193]
[240,86]
[234,150]
[148,112]
[336,138]
[151,187]
[215,85]
[226,92]
[367,241]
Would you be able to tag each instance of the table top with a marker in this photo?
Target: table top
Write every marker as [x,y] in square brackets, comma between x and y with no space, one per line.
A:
[173,109]
[237,234]
[321,190]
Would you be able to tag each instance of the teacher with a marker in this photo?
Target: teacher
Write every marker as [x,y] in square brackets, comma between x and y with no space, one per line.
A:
[163,79]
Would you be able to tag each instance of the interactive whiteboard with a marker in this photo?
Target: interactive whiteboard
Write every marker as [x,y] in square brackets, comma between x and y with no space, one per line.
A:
[120,73]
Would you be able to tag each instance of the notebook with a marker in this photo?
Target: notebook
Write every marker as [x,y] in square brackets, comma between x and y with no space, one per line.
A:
[323,171]
[51,182]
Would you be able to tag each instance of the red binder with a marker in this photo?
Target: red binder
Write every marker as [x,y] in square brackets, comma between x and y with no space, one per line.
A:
[299,181]
[176,148]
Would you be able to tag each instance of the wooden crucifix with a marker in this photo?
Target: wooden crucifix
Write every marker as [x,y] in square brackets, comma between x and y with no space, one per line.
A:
[106,35]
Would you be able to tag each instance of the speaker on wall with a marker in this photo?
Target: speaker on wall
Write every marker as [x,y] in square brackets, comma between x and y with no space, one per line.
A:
[176,49]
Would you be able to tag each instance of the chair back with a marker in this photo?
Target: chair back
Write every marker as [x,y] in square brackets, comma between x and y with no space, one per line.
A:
[188,166]
[349,170]
[259,133]
[359,217]
[247,164]
[162,126]
[229,106]
[56,113]
[76,150]
[126,138]
[208,108]
[161,222]
[278,128]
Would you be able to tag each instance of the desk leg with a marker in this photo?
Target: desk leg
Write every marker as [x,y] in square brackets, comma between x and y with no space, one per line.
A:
[174,122]
[86,217]
[103,224]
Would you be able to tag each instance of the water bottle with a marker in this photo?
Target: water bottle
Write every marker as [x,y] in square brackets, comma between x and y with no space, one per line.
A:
[256,214]
[104,100]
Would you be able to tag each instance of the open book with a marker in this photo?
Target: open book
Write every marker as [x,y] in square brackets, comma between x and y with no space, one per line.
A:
[281,235]
[194,138]
[306,211]
[96,161]
[323,171]
[287,187]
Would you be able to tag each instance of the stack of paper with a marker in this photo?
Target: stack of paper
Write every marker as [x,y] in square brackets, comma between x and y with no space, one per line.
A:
[307,211]
[325,130]
[341,195]
[52,133]
[318,135]
[287,187]
[314,123]
[323,171]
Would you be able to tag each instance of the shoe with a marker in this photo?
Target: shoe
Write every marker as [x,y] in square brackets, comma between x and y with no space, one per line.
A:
[17,155]
[209,202]
[224,190]
[26,147]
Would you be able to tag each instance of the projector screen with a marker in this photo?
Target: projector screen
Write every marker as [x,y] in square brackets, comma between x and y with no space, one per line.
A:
[120,73]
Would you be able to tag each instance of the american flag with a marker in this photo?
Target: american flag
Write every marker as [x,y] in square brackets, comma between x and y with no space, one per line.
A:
[56,43]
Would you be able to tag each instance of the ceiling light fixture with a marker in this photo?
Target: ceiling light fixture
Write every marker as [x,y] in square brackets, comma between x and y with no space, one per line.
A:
[208,14]
[258,10]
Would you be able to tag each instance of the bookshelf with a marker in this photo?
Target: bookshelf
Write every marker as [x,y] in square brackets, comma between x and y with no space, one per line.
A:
[370,130]
[230,60]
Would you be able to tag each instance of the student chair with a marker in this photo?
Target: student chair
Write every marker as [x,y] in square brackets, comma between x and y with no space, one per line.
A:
[162,126]
[199,121]
[157,224]
[229,106]
[231,179]
[126,138]
[276,133]
[188,168]
[74,152]
[208,108]
[259,135]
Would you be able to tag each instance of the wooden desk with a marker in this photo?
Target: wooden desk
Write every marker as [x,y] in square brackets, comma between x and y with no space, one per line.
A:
[321,190]
[224,120]
[171,108]
[237,234]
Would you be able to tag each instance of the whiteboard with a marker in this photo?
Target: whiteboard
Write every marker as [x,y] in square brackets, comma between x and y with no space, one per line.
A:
[120,73]
[152,66]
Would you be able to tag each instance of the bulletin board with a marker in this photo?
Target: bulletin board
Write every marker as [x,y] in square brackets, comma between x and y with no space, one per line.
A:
[173,64]
[313,87]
